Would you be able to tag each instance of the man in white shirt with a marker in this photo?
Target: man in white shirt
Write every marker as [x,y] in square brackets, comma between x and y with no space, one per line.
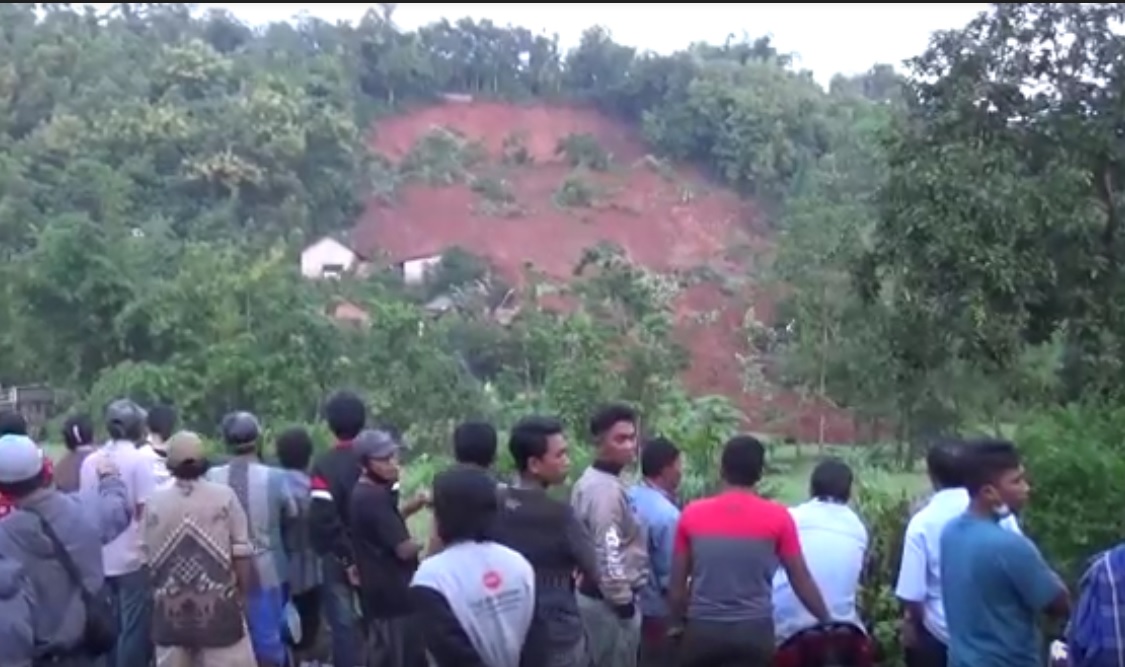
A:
[924,632]
[126,572]
[834,542]
[161,422]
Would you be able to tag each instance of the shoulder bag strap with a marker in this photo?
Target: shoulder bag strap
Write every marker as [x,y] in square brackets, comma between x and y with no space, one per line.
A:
[62,554]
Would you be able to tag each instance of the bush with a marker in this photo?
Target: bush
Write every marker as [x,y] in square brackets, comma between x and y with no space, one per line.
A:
[1074,458]
[583,150]
[442,157]
[576,192]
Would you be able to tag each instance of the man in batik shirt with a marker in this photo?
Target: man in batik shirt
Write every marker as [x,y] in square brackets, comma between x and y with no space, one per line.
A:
[198,547]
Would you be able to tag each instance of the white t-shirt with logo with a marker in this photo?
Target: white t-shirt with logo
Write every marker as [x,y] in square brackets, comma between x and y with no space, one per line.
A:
[491,591]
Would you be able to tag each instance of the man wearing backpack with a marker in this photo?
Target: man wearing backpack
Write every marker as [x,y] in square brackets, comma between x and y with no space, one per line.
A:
[56,542]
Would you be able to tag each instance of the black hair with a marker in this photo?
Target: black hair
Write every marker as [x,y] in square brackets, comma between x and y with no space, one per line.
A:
[161,420]
[945,463]
[831,480]
[986,461]
[465,504]
[190,470]
[743,458]
[25,487]
[656,455]
[78,430]
[12,423]
[346,414]
[294,448]
[529,437]
[475,442]
[608,416]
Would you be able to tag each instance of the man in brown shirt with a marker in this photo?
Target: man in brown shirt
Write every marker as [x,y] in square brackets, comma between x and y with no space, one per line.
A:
[78,435]
[198,546]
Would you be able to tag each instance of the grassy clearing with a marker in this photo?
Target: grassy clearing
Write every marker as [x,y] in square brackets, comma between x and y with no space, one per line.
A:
[794,464]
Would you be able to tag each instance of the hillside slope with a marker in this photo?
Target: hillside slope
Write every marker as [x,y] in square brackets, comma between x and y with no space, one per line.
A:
[664,218]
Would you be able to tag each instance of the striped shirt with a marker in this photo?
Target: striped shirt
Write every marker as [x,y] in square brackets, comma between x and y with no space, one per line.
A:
[264,493]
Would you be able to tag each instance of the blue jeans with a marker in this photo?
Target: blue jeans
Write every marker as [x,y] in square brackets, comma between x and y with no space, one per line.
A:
[339,610]
[132,602]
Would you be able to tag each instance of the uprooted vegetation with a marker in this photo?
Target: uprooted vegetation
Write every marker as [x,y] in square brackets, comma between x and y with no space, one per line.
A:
[442,156]
[497,196]
[583,150]
[514,149]
[577,191]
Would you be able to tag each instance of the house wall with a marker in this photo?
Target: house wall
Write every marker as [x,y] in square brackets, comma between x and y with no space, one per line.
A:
[414,270]
[326,252]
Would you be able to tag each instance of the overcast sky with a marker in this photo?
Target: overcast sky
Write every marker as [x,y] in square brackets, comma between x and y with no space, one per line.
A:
[829,38]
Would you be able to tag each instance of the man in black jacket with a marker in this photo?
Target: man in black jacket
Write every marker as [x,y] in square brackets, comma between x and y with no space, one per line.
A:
[334,475]
[546,532]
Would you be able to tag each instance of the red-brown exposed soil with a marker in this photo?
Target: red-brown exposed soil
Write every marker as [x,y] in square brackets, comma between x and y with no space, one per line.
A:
[664,219]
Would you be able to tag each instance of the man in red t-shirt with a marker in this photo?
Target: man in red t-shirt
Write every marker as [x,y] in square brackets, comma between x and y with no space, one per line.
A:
[730,545]
[13,423]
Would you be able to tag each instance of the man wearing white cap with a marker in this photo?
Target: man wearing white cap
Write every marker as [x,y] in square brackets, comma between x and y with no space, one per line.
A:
[57,541]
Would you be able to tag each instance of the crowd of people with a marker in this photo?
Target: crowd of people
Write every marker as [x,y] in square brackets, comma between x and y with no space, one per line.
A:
[144,551]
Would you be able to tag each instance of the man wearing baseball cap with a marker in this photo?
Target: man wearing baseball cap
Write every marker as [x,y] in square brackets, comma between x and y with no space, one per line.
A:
[385,554]
[48,535]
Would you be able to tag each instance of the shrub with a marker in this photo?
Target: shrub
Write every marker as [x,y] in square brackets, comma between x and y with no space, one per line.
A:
[1076,461]
[441,157]
[576,192]
[583,150]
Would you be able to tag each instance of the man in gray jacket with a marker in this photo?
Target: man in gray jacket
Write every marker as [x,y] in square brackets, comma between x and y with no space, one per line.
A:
[17,638]
[40,594]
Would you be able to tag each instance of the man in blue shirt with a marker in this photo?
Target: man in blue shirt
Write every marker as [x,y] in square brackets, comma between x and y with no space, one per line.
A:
[995,584]
[653,501]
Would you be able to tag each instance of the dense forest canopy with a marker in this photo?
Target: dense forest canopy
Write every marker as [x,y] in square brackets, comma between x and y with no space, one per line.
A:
[947,242]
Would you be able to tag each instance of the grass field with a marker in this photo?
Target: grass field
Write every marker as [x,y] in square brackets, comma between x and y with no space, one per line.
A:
[796,463]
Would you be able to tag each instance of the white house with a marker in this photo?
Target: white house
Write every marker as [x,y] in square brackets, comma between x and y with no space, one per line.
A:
[328,258]
[414,271]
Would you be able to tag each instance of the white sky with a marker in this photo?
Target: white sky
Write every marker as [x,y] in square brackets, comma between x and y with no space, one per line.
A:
[830,38]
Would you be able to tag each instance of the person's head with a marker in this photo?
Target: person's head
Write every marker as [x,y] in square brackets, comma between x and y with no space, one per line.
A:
[474,442]
[831,481]
[22,469]
[241,432]
[12,423]
[346,415]
[995,476]
[378,455]
[161,423]
[945,464]
[465,504]
[539,449]
[614,430]
[742,461]
[125,420]
[187,456]
[661,463]
[294,448]
[77,431]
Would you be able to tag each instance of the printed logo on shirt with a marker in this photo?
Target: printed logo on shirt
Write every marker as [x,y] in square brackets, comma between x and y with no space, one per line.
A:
[492,580]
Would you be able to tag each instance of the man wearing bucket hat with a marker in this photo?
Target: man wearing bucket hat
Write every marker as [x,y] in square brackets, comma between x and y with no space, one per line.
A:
[185,544]
[55,541]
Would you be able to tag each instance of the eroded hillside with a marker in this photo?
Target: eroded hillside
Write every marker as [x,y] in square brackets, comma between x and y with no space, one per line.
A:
[519,201]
